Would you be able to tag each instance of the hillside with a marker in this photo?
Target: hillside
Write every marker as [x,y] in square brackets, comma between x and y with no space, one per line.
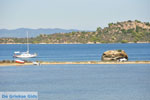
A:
[120,32]
[21,32]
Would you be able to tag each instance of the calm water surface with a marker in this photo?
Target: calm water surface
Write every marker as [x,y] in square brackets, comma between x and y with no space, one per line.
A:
[75,52]
[79,82]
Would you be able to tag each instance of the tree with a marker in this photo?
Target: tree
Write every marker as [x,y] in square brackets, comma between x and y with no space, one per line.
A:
[129,21]
[138,28]
[99,29]
[147,23]
[137,21]
[110,24]
[123,31]
[130,30]
[94,39]
[73,33]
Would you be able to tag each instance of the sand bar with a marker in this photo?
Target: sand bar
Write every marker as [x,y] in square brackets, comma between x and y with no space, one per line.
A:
[81,62]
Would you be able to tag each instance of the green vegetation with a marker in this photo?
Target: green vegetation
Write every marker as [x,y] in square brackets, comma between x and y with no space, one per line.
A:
[119,50]
[110,24]
[137,21]
[120,32]
[124,41]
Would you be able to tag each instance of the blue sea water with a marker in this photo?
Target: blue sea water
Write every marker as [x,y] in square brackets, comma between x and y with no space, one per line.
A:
[79,82]
[75,52]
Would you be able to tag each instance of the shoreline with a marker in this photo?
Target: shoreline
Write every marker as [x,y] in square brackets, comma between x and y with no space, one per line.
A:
[81,62]
[80,43]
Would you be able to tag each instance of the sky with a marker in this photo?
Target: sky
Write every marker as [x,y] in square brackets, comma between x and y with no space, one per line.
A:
[70,14]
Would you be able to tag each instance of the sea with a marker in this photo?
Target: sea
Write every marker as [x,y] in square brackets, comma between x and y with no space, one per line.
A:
[78,82]
[75,52]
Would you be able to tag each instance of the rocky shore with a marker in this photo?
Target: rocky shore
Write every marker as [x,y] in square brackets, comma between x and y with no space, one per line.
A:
[114,55]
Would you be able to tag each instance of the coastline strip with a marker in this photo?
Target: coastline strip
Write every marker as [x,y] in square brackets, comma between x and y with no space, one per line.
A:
[81,62]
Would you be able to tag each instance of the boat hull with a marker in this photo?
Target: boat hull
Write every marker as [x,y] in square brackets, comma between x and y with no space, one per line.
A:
[19,61]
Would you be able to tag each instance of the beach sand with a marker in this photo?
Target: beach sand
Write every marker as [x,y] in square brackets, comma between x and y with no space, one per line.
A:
[81,62]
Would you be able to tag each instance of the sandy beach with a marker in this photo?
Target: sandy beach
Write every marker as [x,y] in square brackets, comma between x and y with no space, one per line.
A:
[82,62]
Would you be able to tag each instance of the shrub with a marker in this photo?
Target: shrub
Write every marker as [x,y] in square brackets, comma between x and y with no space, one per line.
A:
[147,23]
[110,24]
[124,41]
[123,31]
[137,21]
[119,50]
[130,30]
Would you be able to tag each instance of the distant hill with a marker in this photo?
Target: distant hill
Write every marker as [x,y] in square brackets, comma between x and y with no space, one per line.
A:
[120,32]
[21,32]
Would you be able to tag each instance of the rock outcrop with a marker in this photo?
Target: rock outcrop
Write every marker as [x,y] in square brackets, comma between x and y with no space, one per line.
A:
[114,55]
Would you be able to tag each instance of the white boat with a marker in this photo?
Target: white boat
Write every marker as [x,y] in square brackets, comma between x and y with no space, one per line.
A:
[36,63]
[26,54]
[122,60]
